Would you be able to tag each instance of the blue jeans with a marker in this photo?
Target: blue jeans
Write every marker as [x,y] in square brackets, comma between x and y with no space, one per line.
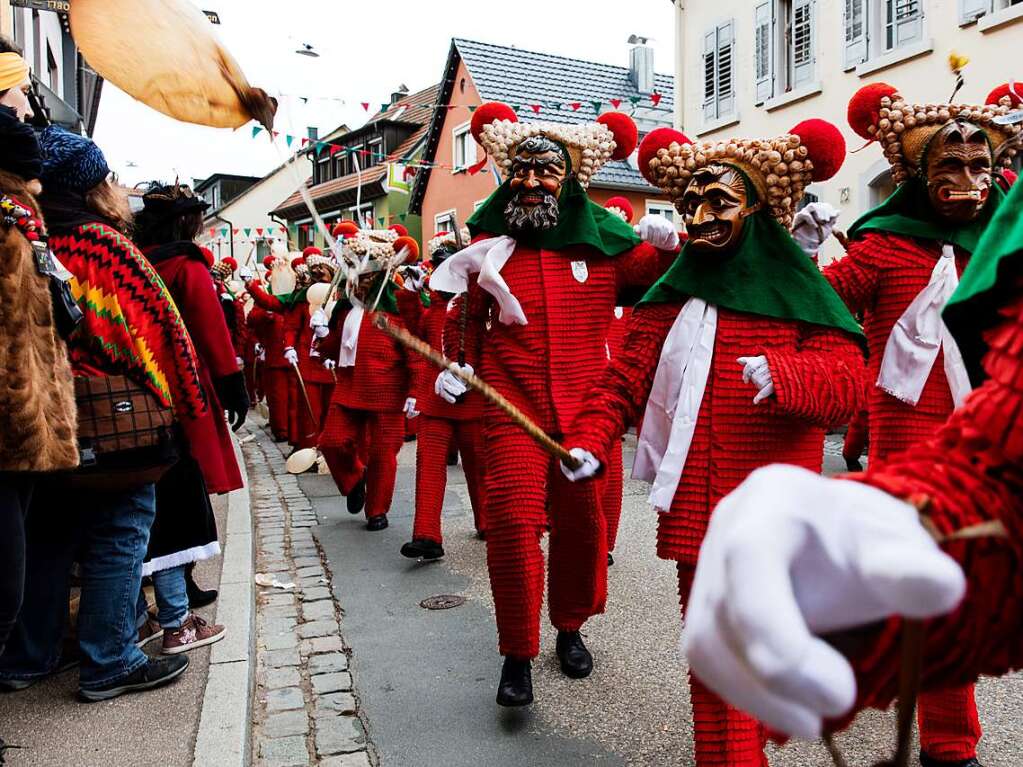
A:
[171,597]
[108,534]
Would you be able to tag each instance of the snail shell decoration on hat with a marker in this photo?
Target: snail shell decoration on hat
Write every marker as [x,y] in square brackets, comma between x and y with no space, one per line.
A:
[448,240]
[879,113]
[590,146]
[779,168]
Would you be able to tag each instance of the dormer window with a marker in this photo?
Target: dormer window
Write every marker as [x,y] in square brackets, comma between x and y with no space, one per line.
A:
[376,152]
[464,152]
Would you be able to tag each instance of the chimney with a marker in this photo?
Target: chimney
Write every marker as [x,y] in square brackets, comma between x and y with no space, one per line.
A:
[313,133]
[399,94]
[641,64]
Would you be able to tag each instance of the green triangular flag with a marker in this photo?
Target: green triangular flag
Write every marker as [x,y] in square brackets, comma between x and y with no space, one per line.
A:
[248,232]
[384,107]
[596,106]
[472,109]
[269,231]
[402,216]
[289,139]
[223,232]
[516,107]
[320,146]
[635,99]
[382,220]
[255,130]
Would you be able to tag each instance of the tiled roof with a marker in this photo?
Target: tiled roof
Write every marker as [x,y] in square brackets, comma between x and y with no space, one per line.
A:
[521,78]
[407,111]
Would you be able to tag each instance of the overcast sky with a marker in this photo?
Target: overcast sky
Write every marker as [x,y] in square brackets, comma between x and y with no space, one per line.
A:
[367,50]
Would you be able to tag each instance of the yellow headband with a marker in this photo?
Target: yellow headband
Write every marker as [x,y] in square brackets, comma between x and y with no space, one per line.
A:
[13,71]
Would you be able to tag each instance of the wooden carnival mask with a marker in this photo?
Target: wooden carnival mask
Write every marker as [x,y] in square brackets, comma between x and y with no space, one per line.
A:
[715,205]
[959,172]
[538,173]
[321,273]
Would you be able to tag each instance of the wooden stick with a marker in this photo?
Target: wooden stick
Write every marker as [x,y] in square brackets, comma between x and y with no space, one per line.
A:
[493,396]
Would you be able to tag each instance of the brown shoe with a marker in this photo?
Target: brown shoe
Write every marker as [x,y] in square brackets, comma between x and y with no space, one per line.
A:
[194,632]
[149,632]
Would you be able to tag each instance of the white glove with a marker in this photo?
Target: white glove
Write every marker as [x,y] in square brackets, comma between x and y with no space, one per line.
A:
[450,387]
[318,319]
[410,408]
[659,232]
[813,225]
[291,356]
[246,274]
[588,470]
[789,555]
[329,364]
[260,352]
[755,370]
[415,278]
[320,331]
[239,362]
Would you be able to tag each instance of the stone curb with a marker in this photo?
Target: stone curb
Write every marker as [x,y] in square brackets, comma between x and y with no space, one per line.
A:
[225,725]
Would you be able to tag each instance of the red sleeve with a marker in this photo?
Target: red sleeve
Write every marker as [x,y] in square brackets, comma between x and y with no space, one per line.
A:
[823,381]
[294,316]
[638,269]
[856,277]
[264,300]
[619,396]
[410,309]
[200,308]
[971,473]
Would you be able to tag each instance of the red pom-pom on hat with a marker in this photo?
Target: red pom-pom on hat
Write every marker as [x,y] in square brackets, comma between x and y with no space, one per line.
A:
[400,229]
[268,262]
[825,147]
[623,204]
[490,113]
[413,248]
[625,132]
[208,255]
[660,138]
[1006,89]
[312,250]
[300,261]
[865,108]
[230,263]
[345,229]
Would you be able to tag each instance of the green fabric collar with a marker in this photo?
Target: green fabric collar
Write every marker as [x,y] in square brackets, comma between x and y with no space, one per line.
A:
[988,284]
[768,274]
[581,222]
[291,299]
[908,212]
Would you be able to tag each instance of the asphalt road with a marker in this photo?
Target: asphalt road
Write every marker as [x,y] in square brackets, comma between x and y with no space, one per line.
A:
[426,680]
[151,729]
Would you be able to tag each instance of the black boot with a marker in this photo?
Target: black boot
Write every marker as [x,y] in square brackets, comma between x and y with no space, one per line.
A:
[375,524]
[357,498]
[422,549]
[853,464]
[516,686]
[927,761]
[198,597]
[576,661]
[610,559]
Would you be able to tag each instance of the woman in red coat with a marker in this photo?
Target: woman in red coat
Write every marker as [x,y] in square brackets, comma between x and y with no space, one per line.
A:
[185,529]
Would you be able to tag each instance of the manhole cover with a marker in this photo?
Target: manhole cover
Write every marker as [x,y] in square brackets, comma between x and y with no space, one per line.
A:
[442,602]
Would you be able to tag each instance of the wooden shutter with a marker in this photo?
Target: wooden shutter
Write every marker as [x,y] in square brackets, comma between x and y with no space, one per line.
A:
[856,38]
[710,80]
[764,51]
[908,21]
[804,56]
[726,68]
[971,10]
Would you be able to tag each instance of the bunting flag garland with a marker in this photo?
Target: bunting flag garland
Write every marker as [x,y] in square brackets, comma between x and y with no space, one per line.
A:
[223,232]
[365,105]
[615,102]
[535,108]
[656,98]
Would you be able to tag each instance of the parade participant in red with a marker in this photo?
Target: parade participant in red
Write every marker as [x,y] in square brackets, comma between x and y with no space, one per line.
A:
[441,424]
[548,266]
[796,557]
[903,264]
[268,322]
[364,428]
[741,355]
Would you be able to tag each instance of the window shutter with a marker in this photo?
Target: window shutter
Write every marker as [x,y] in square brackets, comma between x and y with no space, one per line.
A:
[710,87]
[971,10]
[764,51]
[470,149]
[804,57]
[855,22]
[909,21]
[726,68]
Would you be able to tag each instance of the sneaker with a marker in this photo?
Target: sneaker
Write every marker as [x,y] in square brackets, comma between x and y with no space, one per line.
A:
[17,685]
[194,632]
[156,673]
[149,631]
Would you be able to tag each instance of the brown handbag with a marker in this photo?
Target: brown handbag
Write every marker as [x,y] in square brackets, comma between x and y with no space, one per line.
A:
[126,436]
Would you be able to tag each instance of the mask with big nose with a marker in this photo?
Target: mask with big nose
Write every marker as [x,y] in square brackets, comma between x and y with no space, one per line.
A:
[715,206]
[959,168]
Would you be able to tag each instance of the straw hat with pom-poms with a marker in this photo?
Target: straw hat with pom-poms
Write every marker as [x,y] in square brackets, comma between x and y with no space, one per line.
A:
[779,168]
[621,206]
[879,113]
[447,240]
[590,146]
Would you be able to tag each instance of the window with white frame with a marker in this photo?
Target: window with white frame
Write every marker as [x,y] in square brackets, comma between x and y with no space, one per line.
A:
[660,208]
[874,28]
[785,53]
[971,10]
[444,222]
[719,72]
[464,149]
[376,152]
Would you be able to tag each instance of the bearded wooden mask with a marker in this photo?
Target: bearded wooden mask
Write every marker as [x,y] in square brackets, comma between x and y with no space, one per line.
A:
[538,174]
[715,206]
[958,171]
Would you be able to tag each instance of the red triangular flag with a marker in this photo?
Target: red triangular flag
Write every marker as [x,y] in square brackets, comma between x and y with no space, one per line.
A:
[656,98]
[276,134]
[259,231]
[474,169]
[615,103]
[575,106]
[213,232]
[237,230]
[334,149]
[305,141]
[365,105]
[535,108]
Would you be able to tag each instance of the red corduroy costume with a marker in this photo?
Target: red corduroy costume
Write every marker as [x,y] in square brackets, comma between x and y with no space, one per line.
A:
[818,378]
[365,426]
[319,382]
[545,368]
[441,426]
[276,371]
[879,277]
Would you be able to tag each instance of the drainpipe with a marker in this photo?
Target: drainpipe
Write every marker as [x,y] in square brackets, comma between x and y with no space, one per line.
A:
[287,230]
[680,63]
[230,228]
